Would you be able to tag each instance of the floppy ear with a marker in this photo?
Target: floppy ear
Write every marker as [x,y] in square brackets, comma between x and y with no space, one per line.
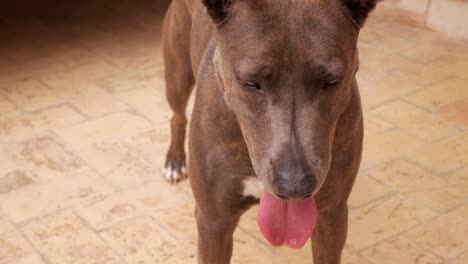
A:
[360,9]
[218,9]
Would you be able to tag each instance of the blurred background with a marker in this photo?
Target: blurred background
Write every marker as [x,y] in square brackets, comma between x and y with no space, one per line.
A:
[84,129]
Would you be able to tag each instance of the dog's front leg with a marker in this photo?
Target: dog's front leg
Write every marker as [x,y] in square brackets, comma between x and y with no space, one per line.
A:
[215,238]
[329,237]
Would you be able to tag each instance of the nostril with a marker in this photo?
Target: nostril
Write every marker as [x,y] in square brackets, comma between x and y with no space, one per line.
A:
[282,197]
[307,196]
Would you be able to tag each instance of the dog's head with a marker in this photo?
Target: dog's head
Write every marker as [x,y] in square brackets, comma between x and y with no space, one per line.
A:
[286,68]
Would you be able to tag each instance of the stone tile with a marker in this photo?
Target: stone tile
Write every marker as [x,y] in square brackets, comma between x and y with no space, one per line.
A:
[29,259]
[400,250]
[460,178]
[248,252]
[133,171]
[386,89]
[47,157]
[94,70]
[52,196]
[14,180]
[97,102]
[13,174]
[153,144]
[30,95]
[55,117]
[456,113]
[374,125]
[12,244]
[441,200]
[8,108]
[384,219]
[406,177]
[394,142]
[422,74]
[349,257]
[293,256]
[131,79]
[461,259]
[143,240]
[148,200]
[148,101]
[366,190]
[440,94]
[181,223]
[416,121]
[444,156]
[445,235]
[63,238]
[102,142]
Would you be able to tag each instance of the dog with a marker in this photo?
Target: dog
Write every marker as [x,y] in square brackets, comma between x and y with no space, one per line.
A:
[277,118]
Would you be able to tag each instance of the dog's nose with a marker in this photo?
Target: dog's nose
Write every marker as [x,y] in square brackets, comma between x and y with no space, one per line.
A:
[295,190]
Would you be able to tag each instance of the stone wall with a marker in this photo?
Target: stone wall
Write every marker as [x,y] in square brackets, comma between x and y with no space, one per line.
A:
[448,16]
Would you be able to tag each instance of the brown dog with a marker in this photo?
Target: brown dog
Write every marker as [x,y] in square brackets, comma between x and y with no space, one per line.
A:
[277,107]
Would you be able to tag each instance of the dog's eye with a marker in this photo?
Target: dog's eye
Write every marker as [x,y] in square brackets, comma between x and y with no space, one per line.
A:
[330,84]
[253,85]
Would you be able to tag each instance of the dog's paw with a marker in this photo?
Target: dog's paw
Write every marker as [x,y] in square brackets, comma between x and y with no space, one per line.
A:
[174,171]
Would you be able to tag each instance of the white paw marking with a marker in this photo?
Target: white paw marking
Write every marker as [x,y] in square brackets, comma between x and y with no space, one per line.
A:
[173,175]
[252,187]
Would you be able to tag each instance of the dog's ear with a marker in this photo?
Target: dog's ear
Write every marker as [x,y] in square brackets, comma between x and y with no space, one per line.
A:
[218,9]
[360,9]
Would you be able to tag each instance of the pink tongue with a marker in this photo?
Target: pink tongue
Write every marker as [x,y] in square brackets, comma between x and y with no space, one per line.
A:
[286,222]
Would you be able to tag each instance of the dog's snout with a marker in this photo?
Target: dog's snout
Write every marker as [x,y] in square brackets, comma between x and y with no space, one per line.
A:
[287,189]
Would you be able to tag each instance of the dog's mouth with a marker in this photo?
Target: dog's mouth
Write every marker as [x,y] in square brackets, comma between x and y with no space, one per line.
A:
[286,222]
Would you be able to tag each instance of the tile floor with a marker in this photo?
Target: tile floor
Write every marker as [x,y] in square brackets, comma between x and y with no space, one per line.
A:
[84,128]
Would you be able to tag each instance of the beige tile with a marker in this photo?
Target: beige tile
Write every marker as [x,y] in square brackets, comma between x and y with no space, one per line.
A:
[406,177]
[366,190]
[461,259]
[248,252]
[13,174]
[148,101]
[400,250]
[441,200]
[387,146]
[63,238]
[460,178]
[386,89]
[181,223]
[147,200]
[13,246]
[384,219]
[133,171]
[60,79]
[374,125]
[48,197]
[29,259]
[444,156]
[26,124]
[47,157]
[456,113]
[445,235]
[103,142]
[415,121]
[143,240]
[97,102]
[8,108]
[352,258]
[134,79]
[293,256]
[440,94]
[30,95]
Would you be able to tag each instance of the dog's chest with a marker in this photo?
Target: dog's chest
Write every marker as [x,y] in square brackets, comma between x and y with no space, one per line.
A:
[252,187]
